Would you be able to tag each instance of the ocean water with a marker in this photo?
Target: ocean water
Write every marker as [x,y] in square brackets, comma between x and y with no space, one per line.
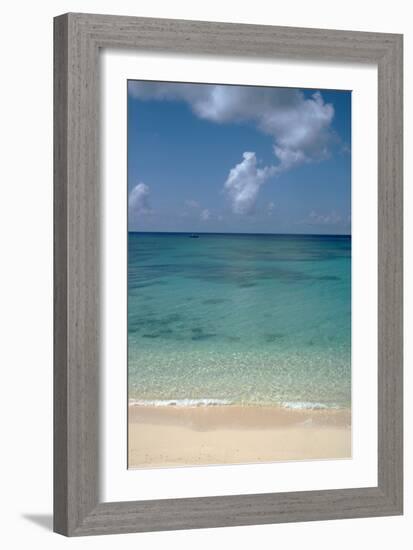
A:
[239,319]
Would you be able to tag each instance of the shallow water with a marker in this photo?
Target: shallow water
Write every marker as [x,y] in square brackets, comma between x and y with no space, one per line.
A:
[249,319]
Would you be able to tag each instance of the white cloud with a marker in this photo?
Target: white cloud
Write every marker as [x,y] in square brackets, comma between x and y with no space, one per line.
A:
[205,215]
[244,182]
[299,126]
[139,200]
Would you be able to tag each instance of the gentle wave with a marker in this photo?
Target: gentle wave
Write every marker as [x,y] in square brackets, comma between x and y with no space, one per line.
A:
[205,402]
[306,405]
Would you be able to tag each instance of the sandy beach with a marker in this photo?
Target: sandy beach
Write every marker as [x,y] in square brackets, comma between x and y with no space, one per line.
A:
[183,436]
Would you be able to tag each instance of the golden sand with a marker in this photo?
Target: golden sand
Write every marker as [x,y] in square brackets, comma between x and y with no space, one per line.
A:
[184,436]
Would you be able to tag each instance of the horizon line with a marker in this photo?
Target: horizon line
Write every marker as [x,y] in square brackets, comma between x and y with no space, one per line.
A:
[243,233]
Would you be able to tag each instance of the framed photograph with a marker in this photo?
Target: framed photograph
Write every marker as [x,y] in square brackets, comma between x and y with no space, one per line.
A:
[228,274]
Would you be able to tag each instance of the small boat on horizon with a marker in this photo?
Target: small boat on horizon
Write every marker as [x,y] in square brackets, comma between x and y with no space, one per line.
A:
[193,236]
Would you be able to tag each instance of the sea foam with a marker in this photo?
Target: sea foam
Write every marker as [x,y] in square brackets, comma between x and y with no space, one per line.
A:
[306,405]
[203,402]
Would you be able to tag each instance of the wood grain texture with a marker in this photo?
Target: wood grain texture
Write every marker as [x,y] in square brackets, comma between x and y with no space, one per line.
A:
[390,273]
[60,485]
[78,39]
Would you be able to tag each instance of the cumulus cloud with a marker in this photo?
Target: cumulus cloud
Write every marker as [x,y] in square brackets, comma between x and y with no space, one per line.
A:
[205,215]
[300,126]
[139,200]
[244,182]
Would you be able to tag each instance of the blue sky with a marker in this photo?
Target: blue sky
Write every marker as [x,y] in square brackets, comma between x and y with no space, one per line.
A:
[210,158]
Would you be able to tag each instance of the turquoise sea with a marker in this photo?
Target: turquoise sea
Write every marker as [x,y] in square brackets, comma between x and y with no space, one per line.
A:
[239,319]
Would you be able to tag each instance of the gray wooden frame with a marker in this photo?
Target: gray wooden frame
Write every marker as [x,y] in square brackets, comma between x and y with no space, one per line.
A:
[78,39]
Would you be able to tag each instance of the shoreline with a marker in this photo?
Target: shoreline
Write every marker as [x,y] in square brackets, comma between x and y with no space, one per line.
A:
[171,435]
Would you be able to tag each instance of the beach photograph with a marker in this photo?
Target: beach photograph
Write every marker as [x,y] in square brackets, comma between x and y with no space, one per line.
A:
[239,274]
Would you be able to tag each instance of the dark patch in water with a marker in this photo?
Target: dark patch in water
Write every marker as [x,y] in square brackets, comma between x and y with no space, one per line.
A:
[133,285]
[273,337]
[233,338]
[158,334]
[203,336]
[214,301]
[329,278]
[155,325]
[247,285]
